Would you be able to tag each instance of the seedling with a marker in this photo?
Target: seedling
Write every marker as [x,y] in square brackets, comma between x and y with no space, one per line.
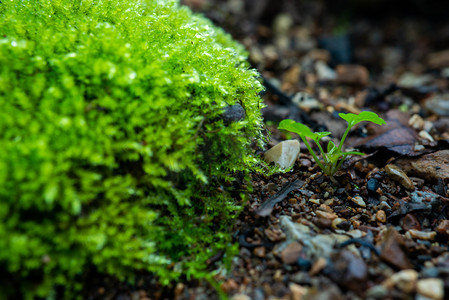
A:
[334,157]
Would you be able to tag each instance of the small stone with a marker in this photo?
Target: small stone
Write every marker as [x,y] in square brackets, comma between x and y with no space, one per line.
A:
[336,222]
[352,74]
[443,228]
[422,235]
[439,104]
[315,201]
[377,292]
[431,167]
[359,201]
[297,291]
[396,173]
[291,253]
[381,216]
[372,185]
[410,222]
[240,297]
[322,222]
[283,154]
[318,266]
[274,234]
[432,288]
[259,252]
[233,113]
[326,215]
[416,122]
[229,285]
[405,280]
[425,135]
[392,244]
[324,72]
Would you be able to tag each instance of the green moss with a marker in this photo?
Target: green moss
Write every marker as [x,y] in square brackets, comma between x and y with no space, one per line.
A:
[113,152]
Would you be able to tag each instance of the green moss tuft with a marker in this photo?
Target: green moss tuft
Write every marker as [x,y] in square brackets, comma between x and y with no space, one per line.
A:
[113,150]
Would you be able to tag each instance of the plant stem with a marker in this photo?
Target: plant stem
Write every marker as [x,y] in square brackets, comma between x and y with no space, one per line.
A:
[313,153]
[344,137]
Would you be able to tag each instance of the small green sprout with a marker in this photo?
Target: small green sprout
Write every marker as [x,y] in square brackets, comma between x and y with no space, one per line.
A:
[334,157]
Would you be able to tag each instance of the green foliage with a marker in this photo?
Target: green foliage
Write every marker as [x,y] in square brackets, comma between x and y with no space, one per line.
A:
[114,155]
[334,157]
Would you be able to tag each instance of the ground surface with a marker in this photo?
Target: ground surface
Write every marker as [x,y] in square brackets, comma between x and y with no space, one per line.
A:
[382,231]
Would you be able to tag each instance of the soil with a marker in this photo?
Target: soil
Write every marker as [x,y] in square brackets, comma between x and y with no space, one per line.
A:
[381,230]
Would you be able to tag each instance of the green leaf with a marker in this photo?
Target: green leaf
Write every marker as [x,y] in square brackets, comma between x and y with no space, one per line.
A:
[353,153]
[331,147]
[302,130]
[353,119]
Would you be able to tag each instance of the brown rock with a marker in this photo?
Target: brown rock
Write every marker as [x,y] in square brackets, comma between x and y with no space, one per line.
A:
[259,252]
[381,216]
[438,59]
[322,222]
[443,228]
[274,234]
[410,222]
[398,175]
[431,167]
[229,285]
[422,235]
[326,215]
[349,270]
[291,253]
[352,74]
[297,292]
[317,266]
[392,252]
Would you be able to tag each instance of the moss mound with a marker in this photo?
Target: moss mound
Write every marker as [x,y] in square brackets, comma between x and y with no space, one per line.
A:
[115,153]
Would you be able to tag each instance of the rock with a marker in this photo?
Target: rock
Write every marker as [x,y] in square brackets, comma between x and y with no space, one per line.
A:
[306,102]
[377,292]
[391,244]
[425,135]
[438,60]
[381,216]
[326,215]
[348,270]
[297,292]
[396,173]
[274,234]
[422,235]
[410,222]
[283,154]
[411,80]
[318,266]
[291,253]
[233,113]
[359,201]
[324,72]
[439,104]
[259,252]
[443,228]
[372,185]
[416,122]
[229,285]
[240,297]
[432,288]
[404,280]
[352,74]
[431,167]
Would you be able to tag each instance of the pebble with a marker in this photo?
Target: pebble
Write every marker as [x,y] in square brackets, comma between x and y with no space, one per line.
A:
[410,222]
[377,292]
[372,185]
[384,205]
[404,280]
[274,234]
[396,173]
[259,252]
[392,249]
[297,291]
[326,215]
[439,105]
[432,288]
[359,201]
[352,74]
[422,235]
[233,113]
[315,201]
[324,72]
[336,222]
[443,228]
[318,266]
[291,253]
[416,122]
[283,154]
[240,297]
[381,216]
[425,135]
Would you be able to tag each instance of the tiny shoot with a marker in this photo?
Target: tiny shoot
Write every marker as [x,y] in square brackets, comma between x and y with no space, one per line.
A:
[333,158]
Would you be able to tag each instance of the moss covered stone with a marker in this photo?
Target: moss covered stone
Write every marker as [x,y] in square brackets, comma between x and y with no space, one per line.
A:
[114,151]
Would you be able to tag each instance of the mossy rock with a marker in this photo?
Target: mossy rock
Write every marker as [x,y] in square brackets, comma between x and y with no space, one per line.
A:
[115,154]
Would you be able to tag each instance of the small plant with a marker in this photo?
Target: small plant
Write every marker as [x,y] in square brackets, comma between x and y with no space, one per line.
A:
[333,159]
